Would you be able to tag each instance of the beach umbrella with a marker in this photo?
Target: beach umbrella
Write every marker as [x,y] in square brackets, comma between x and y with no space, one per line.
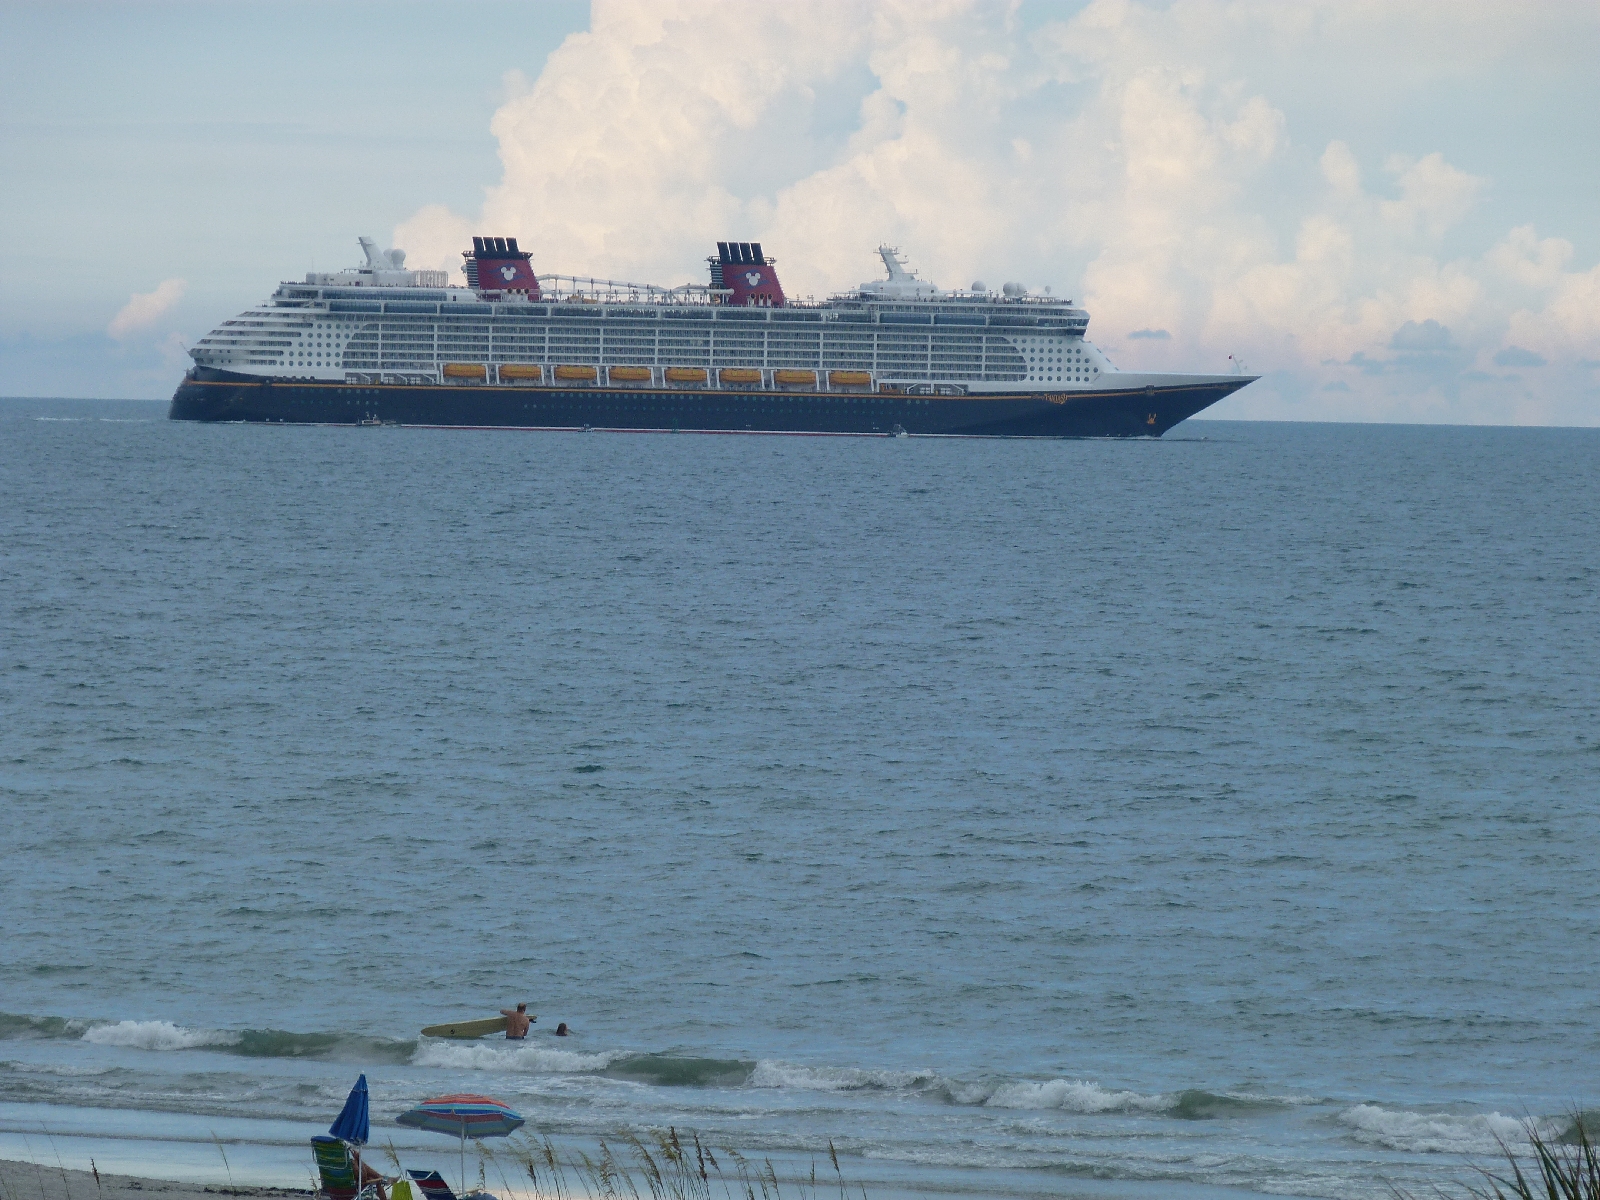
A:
[353,1124]
[464,1116]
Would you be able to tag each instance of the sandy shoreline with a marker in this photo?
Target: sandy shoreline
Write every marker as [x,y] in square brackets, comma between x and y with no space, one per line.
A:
[30,1181]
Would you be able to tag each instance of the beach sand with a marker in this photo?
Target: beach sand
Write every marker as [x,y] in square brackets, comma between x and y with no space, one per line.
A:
[27,1181]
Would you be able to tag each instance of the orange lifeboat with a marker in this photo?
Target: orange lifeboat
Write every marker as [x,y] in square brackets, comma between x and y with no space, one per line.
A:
[577,374]
[521,373]
[793,377]
[739,375]
[686,374]
[629,374]
[850,378]
[466,371]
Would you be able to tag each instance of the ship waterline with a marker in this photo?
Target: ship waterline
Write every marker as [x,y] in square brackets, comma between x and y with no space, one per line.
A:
[220,396]
[382,345]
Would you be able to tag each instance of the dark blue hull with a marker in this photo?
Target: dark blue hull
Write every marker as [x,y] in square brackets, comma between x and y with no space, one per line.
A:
[211,395]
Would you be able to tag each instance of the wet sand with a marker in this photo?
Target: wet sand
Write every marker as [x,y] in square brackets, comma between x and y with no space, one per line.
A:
[28,1181]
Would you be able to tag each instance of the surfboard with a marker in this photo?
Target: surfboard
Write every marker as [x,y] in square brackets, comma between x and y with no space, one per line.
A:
[467,1029]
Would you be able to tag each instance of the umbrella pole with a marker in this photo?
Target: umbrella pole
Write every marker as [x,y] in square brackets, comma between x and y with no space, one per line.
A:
[463,1160]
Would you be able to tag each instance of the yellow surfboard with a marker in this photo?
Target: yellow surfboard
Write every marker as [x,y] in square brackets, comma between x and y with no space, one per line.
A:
[467,1029]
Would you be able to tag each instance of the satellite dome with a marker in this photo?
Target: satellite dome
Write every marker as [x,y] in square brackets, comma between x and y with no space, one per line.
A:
[397,257]
[1015,289]
[977,286]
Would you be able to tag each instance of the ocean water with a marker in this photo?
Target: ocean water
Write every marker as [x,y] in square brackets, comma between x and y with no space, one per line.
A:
[1207,817]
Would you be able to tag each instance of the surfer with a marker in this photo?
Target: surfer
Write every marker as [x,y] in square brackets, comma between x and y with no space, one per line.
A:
[517,1022]
[561,1029]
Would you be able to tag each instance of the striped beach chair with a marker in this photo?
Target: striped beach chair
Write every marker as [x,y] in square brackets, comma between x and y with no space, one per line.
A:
[338,1171]
[432,1184]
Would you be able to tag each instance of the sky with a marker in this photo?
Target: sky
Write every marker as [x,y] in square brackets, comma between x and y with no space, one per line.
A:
[1389,210]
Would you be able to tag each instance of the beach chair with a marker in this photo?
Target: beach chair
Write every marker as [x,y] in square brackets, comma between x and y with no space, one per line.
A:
[433,1187]
[338,1171]
[432,1184]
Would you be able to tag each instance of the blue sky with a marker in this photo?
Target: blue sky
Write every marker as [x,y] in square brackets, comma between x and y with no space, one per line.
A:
[228,145]
[1305,185]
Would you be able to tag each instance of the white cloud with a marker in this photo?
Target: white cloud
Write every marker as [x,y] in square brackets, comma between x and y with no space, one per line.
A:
[144,309]
[1123,154]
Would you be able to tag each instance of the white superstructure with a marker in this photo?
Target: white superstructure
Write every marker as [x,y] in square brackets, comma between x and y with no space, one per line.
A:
[382,323]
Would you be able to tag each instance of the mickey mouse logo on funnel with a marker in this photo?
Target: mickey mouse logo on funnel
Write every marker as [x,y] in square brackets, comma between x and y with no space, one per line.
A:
[496,263]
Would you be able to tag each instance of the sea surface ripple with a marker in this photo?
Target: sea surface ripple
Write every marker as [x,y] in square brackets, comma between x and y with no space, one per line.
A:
[1213,813]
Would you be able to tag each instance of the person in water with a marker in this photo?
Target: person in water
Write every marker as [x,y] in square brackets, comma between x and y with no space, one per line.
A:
[561,1030]
[517,1022]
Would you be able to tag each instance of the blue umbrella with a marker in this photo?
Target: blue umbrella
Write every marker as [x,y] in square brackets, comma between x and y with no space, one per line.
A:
[352,1124]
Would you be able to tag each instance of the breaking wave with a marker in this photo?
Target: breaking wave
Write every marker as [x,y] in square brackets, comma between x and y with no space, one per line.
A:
[1063,1095]
[246,1043]
[1400,1130]
[1077,1095]
[771,1074]
[502,1056]
[156,1035]
[1429,1133]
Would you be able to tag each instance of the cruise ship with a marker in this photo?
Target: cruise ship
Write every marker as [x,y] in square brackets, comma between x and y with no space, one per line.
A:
[379,344]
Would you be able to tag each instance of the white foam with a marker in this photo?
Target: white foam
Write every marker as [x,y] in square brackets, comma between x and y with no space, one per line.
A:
[63,1070]
[156,1035]
[1075,1095]
[1433,1132]
[772,1074]
[963,1092]
[1070,1095]
[528,1060]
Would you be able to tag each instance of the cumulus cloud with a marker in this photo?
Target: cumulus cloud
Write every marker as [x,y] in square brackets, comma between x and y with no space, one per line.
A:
[1429,337]
[1122,154]
[145,309]
[1516,356]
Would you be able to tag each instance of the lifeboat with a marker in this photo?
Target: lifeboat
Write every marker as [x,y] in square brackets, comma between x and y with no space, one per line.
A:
[521,373]
[629,374]
[850,378]
[574,374]
[806,377]
[686,374]
[739,375]
[466,371]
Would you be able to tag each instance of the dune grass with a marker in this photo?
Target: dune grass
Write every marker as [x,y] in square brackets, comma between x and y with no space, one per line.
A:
[660,1165]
